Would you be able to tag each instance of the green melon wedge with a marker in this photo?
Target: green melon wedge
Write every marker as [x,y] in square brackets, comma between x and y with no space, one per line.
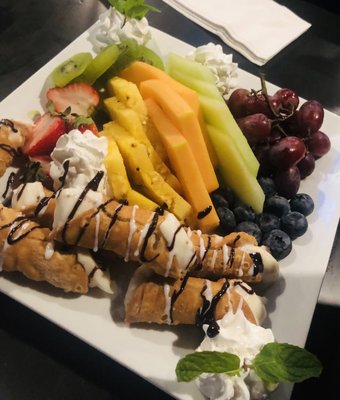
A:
[234,172]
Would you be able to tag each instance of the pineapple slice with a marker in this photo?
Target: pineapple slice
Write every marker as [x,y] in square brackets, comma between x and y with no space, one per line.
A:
[129,120]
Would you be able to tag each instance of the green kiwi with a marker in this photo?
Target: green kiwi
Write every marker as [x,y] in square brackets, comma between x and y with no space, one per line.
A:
[100,64]
[70,69]
[150,57]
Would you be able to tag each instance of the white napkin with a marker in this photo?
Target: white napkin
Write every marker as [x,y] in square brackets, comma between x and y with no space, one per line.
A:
[258,29]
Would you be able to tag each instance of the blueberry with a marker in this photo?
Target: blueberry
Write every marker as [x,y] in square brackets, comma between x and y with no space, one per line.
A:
[278,242]
[276,205]
[227,219]
[294,223]
[251,228]
[219,200]
[302,203]
[267,222]
[243,212]
[228,194]
[268,186]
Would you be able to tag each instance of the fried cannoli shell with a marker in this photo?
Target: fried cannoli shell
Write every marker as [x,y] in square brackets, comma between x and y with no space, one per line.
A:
[154,301]
[12,138]
[31,255]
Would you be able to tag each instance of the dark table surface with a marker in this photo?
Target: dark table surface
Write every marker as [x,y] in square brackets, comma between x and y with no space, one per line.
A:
[38,360]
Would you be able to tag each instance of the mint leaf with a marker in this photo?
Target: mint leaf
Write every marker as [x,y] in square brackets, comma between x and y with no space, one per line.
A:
[133,8]
[195,364]
[283,362]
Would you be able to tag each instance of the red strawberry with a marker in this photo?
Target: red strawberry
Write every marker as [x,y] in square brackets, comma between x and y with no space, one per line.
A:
[90,127]
[81,97]
[46,131]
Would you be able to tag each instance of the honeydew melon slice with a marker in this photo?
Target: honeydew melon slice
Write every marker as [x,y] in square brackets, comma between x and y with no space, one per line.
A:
[235,172]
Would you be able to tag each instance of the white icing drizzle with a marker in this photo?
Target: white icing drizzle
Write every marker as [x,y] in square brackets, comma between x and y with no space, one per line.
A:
[213,258]
[202,248]
[189,232]
[240,270]
[95,246]
[49,250]
[143,233]
[132,230]
[167,303]
[225,255]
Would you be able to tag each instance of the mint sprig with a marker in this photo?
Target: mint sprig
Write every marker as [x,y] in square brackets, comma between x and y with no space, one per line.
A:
[133,8]
[283,362]
[275,363]
[195,364]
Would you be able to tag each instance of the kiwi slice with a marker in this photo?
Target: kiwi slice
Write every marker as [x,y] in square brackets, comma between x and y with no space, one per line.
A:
[70,69]
[100,64]
[149,56]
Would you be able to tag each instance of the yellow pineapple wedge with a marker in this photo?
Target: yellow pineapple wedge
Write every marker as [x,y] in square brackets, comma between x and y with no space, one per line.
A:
[129,120]
[118,179]
[147,179]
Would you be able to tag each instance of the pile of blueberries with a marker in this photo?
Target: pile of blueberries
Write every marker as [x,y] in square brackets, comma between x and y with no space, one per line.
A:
[281,221]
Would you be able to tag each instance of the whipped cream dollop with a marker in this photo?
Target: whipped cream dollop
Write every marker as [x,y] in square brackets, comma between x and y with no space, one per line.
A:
[238,336]
[85,154]
[113,27]
[220,64]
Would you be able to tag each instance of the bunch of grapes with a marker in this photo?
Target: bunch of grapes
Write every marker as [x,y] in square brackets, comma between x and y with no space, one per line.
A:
[286,139]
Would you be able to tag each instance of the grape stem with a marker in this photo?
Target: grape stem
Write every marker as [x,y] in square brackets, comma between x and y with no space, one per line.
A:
[266,96]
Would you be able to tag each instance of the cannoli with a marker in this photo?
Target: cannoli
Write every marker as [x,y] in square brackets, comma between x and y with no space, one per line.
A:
[12,138]
[85,218]
[191,300]
[26,247]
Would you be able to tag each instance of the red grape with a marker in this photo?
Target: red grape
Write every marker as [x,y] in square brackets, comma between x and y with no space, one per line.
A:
[291,124]
[237,102]
[318,144]
[306,165]
[288,100]
[310,117]
[261,152]
[287,182]
[287,152]
[255,127]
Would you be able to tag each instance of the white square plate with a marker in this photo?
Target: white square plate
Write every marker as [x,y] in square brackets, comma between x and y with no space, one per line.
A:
[153,352]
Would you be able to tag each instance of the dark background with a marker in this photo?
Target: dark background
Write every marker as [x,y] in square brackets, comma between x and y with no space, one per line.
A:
[40,361]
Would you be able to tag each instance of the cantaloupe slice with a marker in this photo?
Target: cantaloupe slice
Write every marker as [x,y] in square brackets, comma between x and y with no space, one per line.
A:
[129,120]
[118,179]
[138,71]
[183,117]
[234,171]
[185,167]
[147,179]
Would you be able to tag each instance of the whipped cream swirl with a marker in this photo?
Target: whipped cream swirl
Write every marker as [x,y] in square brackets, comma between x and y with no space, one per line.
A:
[113,27]
[85,154]
[220,64]
[241,337]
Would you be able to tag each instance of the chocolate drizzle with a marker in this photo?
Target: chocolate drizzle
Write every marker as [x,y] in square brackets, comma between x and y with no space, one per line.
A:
[18,223]
[202,214]
[9,184]
[92,185]
[232,252]
[173,241]
[206,314]
[160,210]
[151,229]
[176,294]
[112,222]
[66,165]
[258,263]
[247,289]
[13,152]
[9,124]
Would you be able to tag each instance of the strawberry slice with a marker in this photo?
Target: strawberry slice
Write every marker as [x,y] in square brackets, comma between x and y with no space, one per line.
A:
[91,127]
[81,97]
[46,131]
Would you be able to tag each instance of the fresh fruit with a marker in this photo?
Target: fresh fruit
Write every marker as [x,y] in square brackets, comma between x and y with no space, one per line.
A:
[268,185]
[310,117]
[185,120]
[302,203]
[186,169]
[70,69]
[235,172]
[130,121]
[80,97]
[278,242]
[255,127]
[318,144]
[276,205]
[287,182]
[287,152]
[243,212]
[294,224]
[219,200]
[227,219]
[267,222]
[306,165]
[287,100]
[251,228]
[46,131]
[100,64]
